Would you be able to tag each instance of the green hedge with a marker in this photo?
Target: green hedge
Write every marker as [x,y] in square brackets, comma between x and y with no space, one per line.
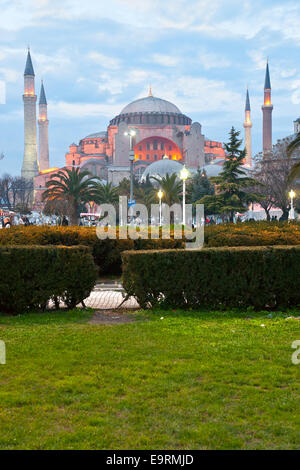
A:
[262,277]
[31,276]
[260,233]
[106,253]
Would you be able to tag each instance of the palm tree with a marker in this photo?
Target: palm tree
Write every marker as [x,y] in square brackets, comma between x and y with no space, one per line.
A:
[74,186]
[171,188]
[106,194]
[143,193]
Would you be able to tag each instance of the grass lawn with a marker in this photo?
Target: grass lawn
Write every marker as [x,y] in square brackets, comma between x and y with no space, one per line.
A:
[187,381]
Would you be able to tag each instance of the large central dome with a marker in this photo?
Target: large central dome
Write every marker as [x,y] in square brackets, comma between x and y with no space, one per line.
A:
[150,104]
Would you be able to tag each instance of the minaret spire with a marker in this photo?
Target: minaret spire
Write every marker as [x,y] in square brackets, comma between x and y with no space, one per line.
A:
[42,95]
[247,127]
[29,67]
[43,131]
[150,95]
[267,78]
[267,109]
[30,166]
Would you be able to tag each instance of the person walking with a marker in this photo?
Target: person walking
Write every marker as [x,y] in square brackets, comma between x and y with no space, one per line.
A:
[7,222]
[64,221]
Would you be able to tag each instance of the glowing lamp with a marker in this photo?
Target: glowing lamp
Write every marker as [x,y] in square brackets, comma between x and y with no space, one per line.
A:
[292,194]
[184,174]
[160,194]
[131,133]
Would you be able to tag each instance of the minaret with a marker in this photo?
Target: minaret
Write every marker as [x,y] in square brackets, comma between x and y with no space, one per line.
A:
[267,109]
[30,165]
[248,126]
[43,131]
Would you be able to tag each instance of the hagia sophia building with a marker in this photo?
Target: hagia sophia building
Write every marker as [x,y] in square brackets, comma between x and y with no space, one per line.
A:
[162,132]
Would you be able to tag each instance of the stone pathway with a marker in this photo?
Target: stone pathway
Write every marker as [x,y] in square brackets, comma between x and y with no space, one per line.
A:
[109,296]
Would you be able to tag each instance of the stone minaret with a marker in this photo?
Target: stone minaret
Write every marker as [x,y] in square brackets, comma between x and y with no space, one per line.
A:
[267,109]
[43,131]
[30,165]
[248,126]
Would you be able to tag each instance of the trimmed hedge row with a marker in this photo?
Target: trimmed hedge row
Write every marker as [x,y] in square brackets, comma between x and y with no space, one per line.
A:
[260,233]
[31,276]
[106,253]
[262,277]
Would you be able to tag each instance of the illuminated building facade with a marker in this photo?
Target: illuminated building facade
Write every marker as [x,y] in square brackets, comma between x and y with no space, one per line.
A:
[161,130]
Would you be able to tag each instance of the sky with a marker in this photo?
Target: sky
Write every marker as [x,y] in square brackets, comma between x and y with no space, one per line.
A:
[96,56]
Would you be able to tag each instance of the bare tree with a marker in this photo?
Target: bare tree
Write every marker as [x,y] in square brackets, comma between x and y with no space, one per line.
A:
[262,174]
[15,192]
[273,172]
[5,189]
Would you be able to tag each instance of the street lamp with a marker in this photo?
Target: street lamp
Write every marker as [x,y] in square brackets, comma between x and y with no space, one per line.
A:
[184,174]
[160,195]
[131,134]
[292,195]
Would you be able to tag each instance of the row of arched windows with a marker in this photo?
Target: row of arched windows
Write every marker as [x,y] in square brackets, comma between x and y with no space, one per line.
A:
[152,118]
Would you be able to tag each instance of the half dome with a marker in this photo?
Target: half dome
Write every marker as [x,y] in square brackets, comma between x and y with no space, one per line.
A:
[161,168]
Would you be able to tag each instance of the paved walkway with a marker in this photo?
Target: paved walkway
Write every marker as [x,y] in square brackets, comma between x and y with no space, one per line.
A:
[109,296]
[103,300]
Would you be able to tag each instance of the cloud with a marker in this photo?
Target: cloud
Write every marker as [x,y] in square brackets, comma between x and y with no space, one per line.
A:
[165,60]
[116,83]
[209,61]
[83,110]
[105,61]
[14,115]
[9,75]
[208,17]
[54,63]
[2,92]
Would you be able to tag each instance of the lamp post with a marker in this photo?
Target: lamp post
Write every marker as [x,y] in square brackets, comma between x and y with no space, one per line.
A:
[292,195]
[160,195]
[131,133]
[184,176]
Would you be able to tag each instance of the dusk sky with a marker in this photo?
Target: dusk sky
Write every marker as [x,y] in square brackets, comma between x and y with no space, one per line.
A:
[97,56]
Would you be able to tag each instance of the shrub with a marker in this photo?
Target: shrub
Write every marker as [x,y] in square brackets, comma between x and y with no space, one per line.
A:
[106,253]
[261,277]
[30,276]
[260,233]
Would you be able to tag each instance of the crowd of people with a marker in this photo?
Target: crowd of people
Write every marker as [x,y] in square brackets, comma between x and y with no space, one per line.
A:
[10,219]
